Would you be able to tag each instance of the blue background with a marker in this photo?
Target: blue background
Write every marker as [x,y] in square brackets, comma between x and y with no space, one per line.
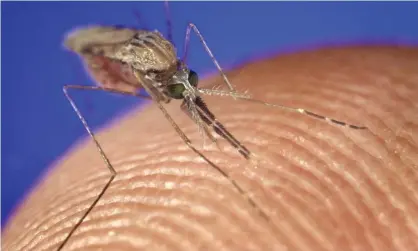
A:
[38,125]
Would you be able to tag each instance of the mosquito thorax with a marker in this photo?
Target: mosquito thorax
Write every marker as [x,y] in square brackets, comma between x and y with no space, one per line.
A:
[177,89]
[149,51]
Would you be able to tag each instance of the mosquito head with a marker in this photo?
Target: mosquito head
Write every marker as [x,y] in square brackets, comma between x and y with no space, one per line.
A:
[193,78]
[180,84]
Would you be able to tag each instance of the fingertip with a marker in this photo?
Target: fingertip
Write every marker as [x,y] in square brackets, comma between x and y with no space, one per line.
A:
[315,181]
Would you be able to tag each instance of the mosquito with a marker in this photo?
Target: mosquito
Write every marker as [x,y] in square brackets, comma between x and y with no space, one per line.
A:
[124,60]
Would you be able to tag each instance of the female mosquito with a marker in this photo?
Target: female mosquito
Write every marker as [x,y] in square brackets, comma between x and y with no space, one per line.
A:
[123,60]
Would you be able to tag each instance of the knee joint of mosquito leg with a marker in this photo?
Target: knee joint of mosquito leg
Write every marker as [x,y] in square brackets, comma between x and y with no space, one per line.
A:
[65,89]
[192,26]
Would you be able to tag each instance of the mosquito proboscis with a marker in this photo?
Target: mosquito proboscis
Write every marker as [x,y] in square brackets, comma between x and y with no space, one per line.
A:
[123,60]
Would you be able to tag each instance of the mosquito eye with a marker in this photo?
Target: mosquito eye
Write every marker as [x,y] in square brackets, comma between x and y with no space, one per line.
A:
[193,78]
[176,91]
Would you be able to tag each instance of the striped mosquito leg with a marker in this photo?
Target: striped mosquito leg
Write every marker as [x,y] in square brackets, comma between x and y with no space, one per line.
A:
[299,110]
[209,118]
[338,122]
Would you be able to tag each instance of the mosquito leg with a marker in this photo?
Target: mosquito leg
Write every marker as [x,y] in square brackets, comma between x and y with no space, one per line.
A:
[292,109]
[106,160]
[140,20]
[168,22]
[202,40]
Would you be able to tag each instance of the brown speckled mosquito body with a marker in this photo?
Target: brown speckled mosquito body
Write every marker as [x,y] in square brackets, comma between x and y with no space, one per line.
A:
[123,60]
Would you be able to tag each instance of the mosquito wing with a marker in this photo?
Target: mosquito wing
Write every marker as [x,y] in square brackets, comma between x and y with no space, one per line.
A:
[98,40]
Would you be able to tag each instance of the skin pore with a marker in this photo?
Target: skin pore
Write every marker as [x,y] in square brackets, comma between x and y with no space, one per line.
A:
[324,187]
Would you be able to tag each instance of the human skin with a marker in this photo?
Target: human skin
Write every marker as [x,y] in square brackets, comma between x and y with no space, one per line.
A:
[322,186]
